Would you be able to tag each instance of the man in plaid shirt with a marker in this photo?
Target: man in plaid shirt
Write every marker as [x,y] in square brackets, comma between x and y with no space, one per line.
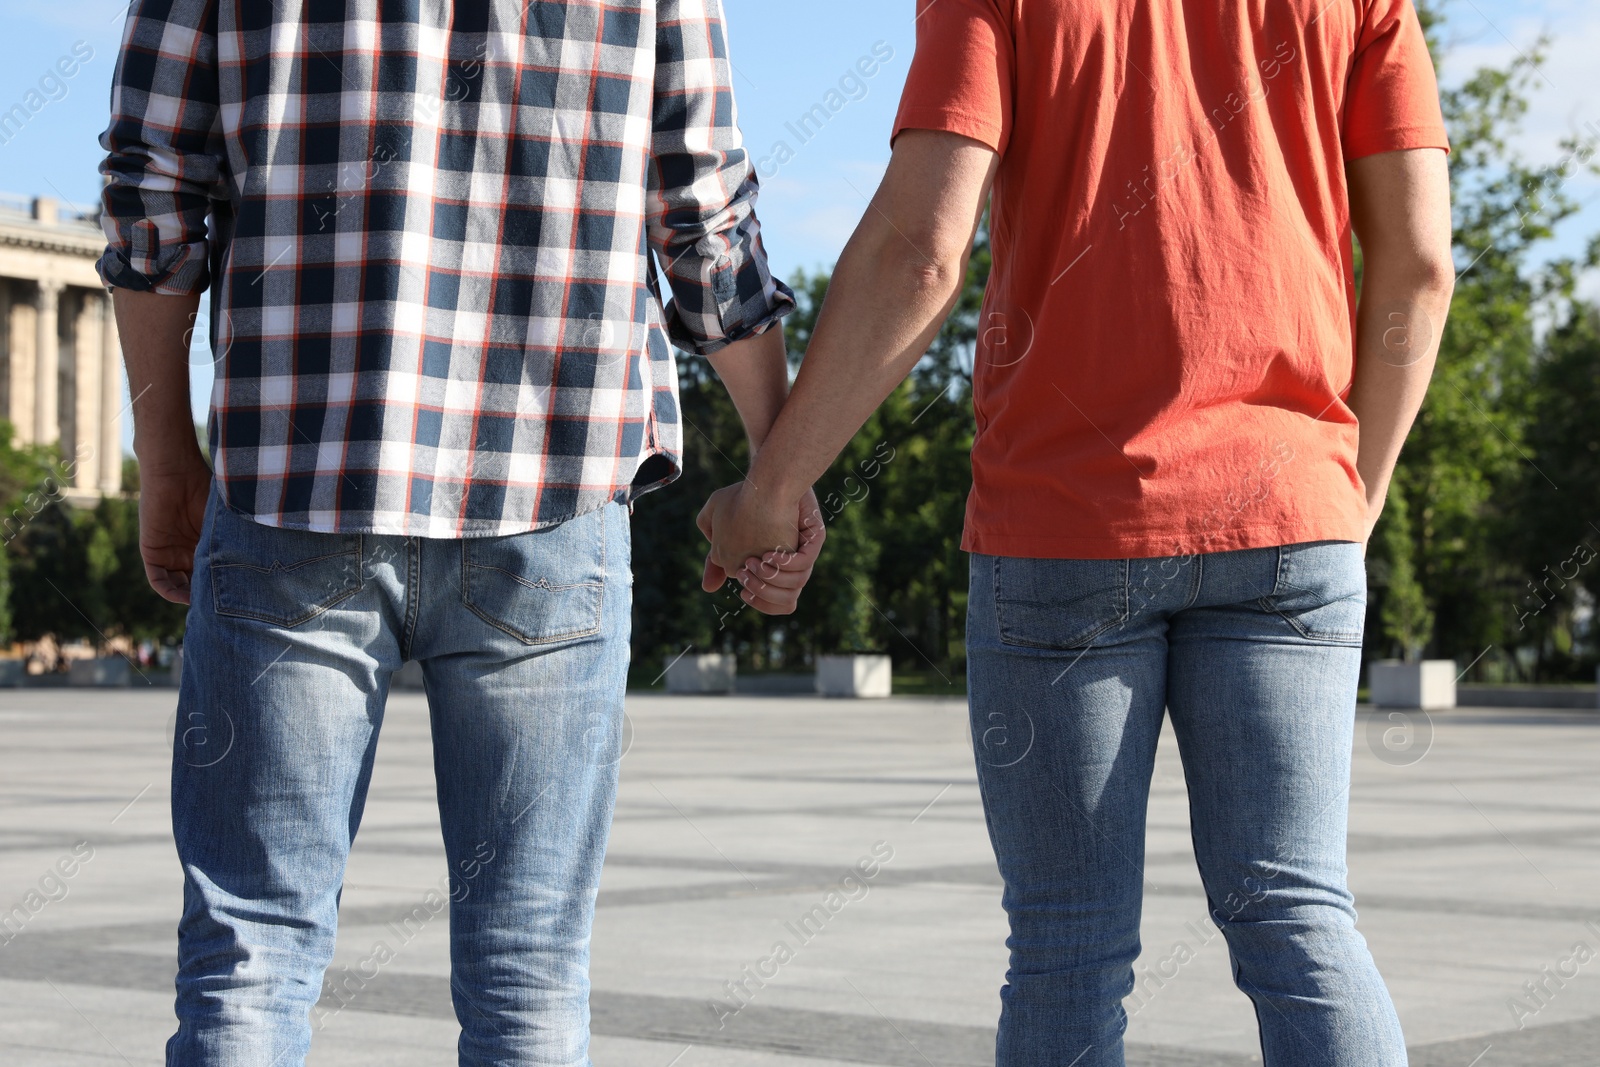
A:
[430,232]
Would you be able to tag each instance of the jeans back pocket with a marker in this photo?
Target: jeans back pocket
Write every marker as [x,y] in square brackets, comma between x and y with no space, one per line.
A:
[1322,591]
[1059,603]
[277,576]
[543,586]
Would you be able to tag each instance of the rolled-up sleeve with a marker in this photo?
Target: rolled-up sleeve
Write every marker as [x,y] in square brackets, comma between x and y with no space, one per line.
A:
[703,189]
[164,155]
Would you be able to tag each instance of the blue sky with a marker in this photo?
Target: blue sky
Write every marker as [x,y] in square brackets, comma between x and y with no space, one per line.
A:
[787,57]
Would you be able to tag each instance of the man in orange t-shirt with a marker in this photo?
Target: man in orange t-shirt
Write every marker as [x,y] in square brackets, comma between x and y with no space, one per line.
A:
[1186,427]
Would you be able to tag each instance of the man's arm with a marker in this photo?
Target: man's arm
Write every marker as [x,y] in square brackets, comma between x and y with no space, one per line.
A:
[1400,210]
[755,371]
[173,477]
[893,287]
[164,160]
[703,228]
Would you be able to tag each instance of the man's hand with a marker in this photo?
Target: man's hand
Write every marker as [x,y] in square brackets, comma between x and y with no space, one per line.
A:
[172,511]
[770,549]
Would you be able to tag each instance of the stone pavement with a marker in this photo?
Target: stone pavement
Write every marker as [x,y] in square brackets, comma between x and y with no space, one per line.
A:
[1476,867]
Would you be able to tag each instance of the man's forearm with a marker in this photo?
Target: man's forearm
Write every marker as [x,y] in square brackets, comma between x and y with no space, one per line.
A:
[755,371]
[1398,325]
[897,280]
[155,333]
[885,305]
[1400,210]
[894,284]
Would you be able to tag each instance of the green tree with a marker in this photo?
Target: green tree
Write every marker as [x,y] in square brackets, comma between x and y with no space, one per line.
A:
[1468,458]
[1556,546]
[79,576]
[1407,621]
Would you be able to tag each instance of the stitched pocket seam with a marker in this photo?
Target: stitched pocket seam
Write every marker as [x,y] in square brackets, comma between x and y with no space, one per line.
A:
[1008,637]
[467,567]
[288,622]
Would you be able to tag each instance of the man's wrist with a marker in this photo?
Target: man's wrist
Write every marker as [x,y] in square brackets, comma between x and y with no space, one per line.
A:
[168,455]
[774,486]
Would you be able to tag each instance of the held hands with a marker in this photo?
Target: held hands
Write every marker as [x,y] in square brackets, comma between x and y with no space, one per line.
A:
[768,546]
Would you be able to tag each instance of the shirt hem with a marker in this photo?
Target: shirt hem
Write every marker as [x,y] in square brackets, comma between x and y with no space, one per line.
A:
[1399,139]
[1156,544]
[468,532]
[950,120]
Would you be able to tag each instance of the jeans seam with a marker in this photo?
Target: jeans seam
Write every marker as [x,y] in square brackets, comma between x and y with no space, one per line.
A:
[413,597]
[1336,637]
[1269,603]
[994,598]
[1199,581]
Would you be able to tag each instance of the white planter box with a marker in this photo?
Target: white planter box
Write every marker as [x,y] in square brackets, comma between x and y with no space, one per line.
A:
[1428,684]
[854,676]
[713,672]
[111,672]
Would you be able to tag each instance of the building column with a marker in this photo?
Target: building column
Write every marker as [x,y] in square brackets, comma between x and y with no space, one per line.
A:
[47,365]
[82,447]
[23,338]
[110,450]
[8,363]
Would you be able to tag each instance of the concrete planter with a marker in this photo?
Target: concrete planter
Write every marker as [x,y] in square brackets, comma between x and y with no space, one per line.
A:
[13,672]
[854,676]
[1428,684]
[714,672]
[110,672]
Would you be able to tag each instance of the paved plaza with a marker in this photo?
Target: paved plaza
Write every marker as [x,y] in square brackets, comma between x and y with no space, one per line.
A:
[1476,868]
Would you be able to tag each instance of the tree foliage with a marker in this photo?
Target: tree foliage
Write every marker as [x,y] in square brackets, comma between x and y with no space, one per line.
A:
[70,572]
[1475,513]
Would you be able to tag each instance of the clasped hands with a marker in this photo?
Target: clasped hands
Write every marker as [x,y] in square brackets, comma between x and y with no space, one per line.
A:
[764,541]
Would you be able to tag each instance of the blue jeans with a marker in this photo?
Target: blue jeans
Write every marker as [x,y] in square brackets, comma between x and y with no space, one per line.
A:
[1072,665]
[293,639]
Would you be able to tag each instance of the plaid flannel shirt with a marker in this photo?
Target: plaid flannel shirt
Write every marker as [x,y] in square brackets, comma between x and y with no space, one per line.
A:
[427,229]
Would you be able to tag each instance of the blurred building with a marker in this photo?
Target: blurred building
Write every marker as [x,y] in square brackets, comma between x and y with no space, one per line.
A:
[60,363]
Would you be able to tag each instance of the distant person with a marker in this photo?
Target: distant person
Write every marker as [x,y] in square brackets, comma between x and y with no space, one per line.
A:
[442,378]
[1186,427]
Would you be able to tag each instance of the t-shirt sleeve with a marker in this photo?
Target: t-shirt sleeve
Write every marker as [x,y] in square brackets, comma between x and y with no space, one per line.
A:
[961,75]
[1392,99]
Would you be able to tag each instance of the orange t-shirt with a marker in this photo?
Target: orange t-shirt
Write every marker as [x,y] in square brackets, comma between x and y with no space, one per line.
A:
[1167,339]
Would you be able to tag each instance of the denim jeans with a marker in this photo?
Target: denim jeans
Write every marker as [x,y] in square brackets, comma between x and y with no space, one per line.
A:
[293,639]
[1256,655]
